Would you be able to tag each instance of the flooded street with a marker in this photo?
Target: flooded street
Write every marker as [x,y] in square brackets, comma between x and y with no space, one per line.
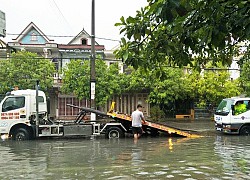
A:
[215,157]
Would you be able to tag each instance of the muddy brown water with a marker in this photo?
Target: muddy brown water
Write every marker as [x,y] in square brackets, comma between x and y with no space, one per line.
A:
[213,157]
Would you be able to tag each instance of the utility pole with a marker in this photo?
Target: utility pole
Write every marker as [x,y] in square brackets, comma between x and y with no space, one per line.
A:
[37,108]
[92,63]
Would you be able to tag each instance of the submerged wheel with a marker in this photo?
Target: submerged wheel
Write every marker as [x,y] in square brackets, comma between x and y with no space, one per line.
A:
[114,132]
[245,131]
[21,134]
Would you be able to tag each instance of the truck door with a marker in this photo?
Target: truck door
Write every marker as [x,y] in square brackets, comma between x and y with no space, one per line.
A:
[12,110]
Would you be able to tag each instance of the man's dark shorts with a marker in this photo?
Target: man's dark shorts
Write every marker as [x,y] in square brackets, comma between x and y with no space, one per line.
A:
[137,130]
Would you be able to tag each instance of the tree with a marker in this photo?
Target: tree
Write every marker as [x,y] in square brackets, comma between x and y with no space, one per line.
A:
[179,30]
[164,88]
[212,85]
[168,89]
[23,69]
[76,80]
[245,78]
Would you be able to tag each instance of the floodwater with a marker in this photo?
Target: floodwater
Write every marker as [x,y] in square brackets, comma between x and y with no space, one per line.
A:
[215,157]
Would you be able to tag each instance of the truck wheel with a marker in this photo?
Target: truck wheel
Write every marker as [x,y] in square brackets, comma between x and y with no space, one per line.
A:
[114,132]
[245,131]
[21,134]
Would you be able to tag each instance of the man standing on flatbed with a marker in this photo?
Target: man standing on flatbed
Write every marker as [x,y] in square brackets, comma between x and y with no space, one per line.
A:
[137,118]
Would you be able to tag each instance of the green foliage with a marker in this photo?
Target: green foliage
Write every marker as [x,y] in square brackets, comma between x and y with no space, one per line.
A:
[156,113]
[212,85]
[169,84]
[170,87]
[245,78]
[76,80]
[23,69]
[240,108]
[177,30]
[164,84]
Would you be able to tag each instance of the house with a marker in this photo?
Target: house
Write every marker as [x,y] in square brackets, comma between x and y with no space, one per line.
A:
[78,48]
[34,40]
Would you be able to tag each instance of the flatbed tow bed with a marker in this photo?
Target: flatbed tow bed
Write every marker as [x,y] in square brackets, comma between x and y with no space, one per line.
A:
[157,126]
[153,126]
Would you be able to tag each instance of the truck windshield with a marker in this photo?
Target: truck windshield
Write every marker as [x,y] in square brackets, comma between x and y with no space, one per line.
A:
[224,107]
[12,103]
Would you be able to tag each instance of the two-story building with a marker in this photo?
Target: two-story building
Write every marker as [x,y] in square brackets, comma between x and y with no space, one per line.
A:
[34,40]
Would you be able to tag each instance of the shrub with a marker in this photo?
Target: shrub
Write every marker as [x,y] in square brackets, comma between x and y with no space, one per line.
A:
[156,113]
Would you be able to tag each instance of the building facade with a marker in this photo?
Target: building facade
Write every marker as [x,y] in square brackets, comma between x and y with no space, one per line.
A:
[34,40]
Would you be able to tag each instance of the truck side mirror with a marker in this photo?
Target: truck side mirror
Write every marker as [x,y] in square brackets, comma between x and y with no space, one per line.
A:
[233,109]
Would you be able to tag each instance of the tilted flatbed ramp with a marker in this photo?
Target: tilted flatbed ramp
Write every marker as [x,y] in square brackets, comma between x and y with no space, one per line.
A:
[160,127]
[126,118]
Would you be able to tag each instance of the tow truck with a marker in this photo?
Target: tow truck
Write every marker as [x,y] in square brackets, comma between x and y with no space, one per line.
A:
[228,120]
[24,116]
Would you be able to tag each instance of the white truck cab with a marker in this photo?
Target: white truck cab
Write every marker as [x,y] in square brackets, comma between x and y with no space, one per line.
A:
[233,116]
[24,99]
[18,111]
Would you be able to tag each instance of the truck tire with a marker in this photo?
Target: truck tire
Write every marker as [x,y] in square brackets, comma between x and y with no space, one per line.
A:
[245,131]
[21,134]
[114,132]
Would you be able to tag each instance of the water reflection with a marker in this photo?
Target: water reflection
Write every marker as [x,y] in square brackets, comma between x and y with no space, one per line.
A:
[235,155]
[218,157]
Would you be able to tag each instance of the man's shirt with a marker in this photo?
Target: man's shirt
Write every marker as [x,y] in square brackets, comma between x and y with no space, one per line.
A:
[137,116]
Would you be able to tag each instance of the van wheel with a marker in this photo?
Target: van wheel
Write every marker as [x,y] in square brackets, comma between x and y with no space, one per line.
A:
[245,131]
[114,132]
[21,134]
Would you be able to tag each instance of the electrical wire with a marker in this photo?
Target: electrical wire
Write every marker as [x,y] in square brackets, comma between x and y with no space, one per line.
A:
[119,60]
[62,36]
[61,14]
[58,58]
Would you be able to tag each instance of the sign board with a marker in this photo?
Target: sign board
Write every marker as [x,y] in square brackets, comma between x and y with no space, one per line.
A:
[2,24]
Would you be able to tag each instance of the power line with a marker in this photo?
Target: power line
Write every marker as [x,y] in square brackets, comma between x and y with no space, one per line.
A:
[52,58]
[108,39]
[61,36]
[61,14]
[13,34]
[118,60]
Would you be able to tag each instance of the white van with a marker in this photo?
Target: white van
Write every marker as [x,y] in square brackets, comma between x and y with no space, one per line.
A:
[233,116]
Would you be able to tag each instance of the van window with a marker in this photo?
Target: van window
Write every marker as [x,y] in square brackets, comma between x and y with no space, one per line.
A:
[241,106]
[12,103]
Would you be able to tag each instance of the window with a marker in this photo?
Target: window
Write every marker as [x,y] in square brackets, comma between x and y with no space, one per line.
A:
[33,37]
[241,106]
[12,103]
[224,107]
[40,99]
[84,41]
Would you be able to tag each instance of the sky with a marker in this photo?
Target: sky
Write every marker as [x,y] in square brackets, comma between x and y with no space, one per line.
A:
[68,17]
